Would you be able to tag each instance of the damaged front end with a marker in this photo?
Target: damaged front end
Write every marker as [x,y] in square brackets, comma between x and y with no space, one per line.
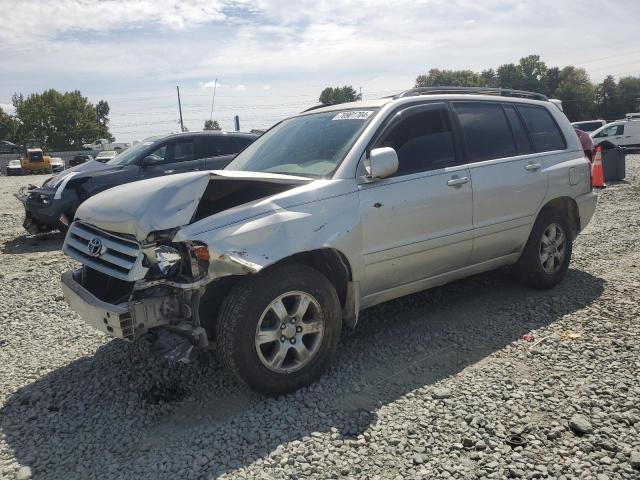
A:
[140,274]
[127,289]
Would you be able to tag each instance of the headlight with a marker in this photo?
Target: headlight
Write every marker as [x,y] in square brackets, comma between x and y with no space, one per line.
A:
[40,198]
[168,258]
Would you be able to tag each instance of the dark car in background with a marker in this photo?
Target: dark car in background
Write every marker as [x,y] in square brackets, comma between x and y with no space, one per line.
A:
[8,147]
[586,142]
[79,160]
[54,204]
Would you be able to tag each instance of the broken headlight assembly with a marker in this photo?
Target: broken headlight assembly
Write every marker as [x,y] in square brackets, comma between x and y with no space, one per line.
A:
[167,259]
[189,260]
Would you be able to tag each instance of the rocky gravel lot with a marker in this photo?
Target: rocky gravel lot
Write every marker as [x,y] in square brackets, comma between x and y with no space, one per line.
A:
[428,386]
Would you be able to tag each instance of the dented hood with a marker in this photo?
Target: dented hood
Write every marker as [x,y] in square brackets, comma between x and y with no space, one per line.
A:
[162,203]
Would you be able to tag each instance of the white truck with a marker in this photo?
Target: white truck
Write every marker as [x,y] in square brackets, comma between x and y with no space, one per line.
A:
[104,144]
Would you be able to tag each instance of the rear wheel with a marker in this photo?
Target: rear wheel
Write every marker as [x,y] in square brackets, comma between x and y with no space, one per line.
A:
[546,256]
[279,330]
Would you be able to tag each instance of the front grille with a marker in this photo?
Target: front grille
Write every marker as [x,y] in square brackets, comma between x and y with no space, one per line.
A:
[113,254]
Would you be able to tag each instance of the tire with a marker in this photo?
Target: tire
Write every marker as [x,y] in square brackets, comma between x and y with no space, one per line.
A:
[530,269]
[246,311]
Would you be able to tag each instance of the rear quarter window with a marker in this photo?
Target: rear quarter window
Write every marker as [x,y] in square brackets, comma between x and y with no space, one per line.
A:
[543,130]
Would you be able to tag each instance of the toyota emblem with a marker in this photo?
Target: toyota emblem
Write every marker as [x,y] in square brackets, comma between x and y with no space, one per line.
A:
[94,247]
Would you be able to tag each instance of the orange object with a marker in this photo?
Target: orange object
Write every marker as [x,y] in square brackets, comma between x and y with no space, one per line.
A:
[597,172]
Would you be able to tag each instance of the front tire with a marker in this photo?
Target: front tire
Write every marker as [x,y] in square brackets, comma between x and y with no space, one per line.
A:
[278,330]
[545,259]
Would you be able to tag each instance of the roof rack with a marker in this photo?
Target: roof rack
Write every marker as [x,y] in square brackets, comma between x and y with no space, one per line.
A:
[315,107]
[503,92]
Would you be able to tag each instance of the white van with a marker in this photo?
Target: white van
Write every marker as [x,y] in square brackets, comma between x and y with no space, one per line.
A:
[623,133]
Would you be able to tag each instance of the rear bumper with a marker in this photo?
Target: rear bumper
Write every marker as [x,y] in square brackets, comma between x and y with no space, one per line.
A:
[586,207]
[114,320]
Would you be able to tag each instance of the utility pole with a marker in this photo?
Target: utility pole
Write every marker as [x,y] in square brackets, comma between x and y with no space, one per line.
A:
[360,93]
[180,109]
[215,84]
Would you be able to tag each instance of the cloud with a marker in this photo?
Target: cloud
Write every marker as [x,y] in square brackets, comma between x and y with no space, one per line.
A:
[52,18]
[7,108]
[273,57]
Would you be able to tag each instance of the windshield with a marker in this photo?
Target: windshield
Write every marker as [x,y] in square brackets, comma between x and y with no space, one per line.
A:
[130,154]
[309,145]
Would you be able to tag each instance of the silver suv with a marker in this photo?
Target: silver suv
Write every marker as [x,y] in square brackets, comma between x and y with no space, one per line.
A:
[326,214]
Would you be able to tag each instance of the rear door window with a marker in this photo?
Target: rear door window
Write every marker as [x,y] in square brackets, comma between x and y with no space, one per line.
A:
[485,129]
[544,131]
[517,128]
[423,140]
[221,145]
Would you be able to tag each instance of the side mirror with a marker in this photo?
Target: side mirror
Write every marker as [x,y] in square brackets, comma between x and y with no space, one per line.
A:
[148,160]
[383,162]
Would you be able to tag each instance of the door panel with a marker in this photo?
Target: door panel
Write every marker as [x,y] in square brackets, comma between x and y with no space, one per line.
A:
[506,195]
[175,156]
[415,227]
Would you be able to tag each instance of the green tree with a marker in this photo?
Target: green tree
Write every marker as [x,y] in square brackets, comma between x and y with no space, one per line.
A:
[211,125]
[102,113]
[551,81]
[628,94]
[8,126]
[333,96]
[61,120]
[449,78]
[509,76]
[489,78]
[577,93]
[607,100]
[532,73]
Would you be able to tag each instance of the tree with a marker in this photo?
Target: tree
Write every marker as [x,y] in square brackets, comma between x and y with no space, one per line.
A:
[8,126]
[61,120]
[449,78]
[211,125]
[509,76]
[608,103]
[333,96]
[489,78]
[628,93]
[577,93]
[551,81]
[532,73]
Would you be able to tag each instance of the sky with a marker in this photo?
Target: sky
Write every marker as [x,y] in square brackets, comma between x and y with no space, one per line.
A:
[271,58]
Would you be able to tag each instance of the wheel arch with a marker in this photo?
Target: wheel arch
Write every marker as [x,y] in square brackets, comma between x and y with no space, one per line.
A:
[330,262]
[568,207]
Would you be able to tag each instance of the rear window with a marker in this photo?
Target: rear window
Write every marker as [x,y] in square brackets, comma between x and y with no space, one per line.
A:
[486,131]
[588,126]
[544,131]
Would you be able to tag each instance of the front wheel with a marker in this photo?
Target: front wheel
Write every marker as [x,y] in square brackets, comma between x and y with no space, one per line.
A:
[278,330]
[545,259]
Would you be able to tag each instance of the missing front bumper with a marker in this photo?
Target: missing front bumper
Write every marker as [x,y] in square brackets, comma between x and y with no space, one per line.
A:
[114,320]
[127,321]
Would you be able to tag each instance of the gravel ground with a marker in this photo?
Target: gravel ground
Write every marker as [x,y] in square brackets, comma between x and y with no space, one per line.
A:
[428,386]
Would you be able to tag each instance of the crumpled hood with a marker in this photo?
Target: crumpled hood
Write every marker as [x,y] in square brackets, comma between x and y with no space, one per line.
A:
[162,203]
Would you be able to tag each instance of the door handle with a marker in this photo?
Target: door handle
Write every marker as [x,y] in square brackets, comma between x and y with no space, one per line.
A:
[532,167]
[457,181]
[169,171]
